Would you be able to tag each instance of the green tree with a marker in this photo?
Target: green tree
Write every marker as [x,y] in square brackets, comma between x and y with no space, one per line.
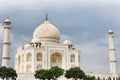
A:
[56,72]
[52,73]
[75,73]
[48,74]
[40,74]
[91,78]
[3,72]
[109,78]
[12,73]
[6,73]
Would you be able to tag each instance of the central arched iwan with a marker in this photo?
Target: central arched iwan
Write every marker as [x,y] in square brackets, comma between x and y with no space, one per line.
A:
[56,59]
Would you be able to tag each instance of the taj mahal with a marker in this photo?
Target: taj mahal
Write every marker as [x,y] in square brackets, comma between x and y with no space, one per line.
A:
[45,51]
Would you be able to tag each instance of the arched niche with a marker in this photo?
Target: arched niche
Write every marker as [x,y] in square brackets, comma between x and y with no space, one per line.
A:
[39,57]
[29,57]
[19,63]
[79,58]
[19,60]
[28,68]
[38,67]
[72,58]
[56,60]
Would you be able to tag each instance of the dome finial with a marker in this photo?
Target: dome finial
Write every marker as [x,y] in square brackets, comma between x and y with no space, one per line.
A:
[46,17]
[7,21]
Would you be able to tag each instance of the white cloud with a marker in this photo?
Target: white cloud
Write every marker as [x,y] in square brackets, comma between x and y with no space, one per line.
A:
[94,57]
[32,4]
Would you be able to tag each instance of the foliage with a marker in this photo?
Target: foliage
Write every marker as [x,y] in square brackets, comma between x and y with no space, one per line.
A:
[48,74]
[6,73]
[109,78]
[40,74]
[75,73]
[52,73]
[12,73]
[56,72]
[3,72]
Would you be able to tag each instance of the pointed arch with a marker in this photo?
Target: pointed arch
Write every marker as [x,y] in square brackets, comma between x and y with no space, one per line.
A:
[39,57]
[19,63]
[56,59]
[19,59]
[29,57]
[79,58]
[38,67]
[28,68]
[72,58]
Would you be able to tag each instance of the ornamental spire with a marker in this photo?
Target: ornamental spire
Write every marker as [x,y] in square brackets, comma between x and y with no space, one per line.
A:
[46,17]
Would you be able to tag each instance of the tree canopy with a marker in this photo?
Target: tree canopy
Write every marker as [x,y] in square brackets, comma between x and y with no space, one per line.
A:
[40,74]
[75,73]
[52,73]
[56,72]
[7,72]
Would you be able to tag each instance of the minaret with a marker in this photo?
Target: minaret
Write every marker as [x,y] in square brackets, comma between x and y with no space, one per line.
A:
[6,43]
[112,59]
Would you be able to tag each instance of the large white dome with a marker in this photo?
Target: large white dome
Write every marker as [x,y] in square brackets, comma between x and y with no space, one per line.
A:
[46,32]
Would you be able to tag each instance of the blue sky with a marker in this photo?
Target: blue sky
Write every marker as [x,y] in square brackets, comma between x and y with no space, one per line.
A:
[84,22]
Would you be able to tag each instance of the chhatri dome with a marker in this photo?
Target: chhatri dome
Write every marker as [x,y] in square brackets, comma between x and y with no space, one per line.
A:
[67,42]
[47,33]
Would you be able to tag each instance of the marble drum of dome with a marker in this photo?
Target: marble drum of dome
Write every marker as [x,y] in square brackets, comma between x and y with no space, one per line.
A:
[46,32]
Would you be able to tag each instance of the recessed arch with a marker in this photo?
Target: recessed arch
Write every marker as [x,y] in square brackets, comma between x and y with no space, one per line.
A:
[79,58]
[39,57]
[29,57]
[72,58]
[19,59]
[19,63]
[38,67]
[28,68]
[56,59]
